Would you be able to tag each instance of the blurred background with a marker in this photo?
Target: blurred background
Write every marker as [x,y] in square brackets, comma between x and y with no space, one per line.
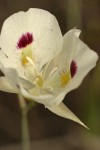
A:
[48,131]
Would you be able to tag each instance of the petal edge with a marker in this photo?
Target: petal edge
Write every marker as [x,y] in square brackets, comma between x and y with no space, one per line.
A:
[63,111]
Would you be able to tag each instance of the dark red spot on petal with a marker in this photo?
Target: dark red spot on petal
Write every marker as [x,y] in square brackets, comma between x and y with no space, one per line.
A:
[25,40]
[73,68]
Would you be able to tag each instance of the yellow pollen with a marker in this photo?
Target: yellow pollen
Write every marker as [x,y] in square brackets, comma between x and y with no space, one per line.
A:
[65,78]
[26,53]
[24,61]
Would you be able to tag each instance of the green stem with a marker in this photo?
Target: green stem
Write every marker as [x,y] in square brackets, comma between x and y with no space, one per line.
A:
[25,129]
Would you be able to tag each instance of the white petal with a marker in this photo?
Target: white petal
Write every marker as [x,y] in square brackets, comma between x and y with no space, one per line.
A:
[23,86]
[63,111]
[41,98]
[11,60]
[85,59]
[64,58]
[6,86]
[62,61]
[12,77]
[46,33]
[26,84]
[68,46]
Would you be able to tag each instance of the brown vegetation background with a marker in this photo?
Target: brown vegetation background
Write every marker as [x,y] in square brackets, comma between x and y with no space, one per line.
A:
[84,102]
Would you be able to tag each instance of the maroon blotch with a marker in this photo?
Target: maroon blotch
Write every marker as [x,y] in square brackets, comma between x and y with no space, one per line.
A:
[25,40]
[73,68]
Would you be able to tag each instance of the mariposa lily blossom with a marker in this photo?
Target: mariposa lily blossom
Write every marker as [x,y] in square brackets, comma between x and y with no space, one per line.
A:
[40,63]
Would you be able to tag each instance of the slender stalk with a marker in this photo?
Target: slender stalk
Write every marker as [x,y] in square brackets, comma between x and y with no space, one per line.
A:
[25,129]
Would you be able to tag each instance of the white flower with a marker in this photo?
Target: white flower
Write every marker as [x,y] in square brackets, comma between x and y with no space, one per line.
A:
[41,63]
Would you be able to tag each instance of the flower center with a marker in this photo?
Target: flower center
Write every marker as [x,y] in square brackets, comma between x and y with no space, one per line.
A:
[38,80]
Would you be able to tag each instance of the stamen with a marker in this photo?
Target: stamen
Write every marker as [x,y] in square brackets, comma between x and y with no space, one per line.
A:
[44,69]
[30,60]
[53,71]
[32,63]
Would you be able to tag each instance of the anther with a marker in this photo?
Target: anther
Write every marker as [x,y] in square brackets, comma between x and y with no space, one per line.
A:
[30,60]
